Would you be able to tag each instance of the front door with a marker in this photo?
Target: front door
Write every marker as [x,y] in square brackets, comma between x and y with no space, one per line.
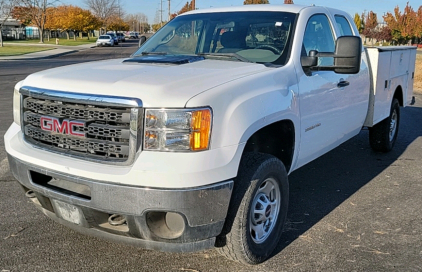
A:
[331,105]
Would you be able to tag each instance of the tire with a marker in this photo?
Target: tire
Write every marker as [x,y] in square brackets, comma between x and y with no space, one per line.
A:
[383,135]
[257,210]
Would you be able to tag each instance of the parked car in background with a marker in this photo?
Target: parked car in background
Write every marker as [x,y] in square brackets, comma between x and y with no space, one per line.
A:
[114,36]
[133,35]
[105,40]
[121,37]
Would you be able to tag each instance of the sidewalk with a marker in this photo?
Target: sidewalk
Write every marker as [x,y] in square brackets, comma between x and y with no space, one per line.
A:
[58,51]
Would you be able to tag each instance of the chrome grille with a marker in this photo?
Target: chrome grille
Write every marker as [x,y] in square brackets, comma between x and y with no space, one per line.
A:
[84,126]
[58,109]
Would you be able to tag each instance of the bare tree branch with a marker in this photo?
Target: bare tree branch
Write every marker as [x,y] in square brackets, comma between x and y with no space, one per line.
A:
[104,9]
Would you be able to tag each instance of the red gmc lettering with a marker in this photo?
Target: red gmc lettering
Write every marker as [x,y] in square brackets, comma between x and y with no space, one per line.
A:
[65,127]
[60,128]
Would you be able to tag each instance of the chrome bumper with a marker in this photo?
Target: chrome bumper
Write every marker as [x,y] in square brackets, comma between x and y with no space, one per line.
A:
[202,210]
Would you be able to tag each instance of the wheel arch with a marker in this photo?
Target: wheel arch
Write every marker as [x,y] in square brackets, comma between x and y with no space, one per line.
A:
[398,94]
[277,139]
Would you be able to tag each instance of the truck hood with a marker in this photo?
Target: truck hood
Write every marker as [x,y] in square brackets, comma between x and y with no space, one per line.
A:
[156,84]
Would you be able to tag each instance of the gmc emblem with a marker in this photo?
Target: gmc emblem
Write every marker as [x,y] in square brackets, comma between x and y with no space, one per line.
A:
[63,127]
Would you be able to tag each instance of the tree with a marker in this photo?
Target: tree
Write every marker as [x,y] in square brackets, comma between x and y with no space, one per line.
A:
[288,2]
[37,12]
[6,9]
[187,7]
[104,9]
[371,24]
[358,23]
[60,19]
[384,34]
[252,2]
[84,21]
[117,24]
[403,25]
[418,29]
[71,19]
[137,22]
[156,27]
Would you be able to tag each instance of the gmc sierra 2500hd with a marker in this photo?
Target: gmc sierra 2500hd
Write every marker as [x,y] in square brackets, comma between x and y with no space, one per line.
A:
[188,143]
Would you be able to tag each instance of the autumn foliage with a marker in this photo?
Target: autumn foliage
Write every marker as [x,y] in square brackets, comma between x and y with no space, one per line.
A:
[406,25]
[71,19]
[253,2]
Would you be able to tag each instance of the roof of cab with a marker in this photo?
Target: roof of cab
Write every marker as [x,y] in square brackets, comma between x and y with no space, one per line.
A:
[286,8]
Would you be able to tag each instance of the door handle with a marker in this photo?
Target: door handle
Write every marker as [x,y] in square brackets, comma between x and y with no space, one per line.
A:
[343,84]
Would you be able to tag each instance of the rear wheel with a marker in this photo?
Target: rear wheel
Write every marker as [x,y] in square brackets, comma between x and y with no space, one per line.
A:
[383,135]
[257,210]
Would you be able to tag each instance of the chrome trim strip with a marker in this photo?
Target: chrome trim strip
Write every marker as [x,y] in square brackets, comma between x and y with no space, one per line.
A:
[92,99]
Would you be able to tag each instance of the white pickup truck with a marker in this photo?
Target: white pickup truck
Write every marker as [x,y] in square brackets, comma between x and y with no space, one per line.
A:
[188,144]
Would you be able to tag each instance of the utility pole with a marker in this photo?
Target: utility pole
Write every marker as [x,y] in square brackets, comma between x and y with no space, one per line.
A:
[169,12]
[161,13]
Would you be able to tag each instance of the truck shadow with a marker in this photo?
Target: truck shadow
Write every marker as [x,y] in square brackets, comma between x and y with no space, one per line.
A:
[321,186]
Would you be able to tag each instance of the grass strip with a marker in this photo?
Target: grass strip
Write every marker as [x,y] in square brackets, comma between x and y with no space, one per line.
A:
[11,50]
[62,41]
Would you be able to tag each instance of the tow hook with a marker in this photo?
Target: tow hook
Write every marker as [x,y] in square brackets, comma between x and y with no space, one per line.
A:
[413,101]
[117,220]
[30,194]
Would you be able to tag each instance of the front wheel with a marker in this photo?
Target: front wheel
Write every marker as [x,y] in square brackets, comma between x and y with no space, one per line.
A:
[383,135]
[257,211]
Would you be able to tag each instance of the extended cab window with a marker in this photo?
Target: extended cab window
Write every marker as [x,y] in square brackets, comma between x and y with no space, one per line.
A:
[343,25]
[319,36]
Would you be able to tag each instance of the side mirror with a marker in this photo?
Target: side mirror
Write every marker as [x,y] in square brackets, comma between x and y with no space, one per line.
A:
[142,40]
[348,55]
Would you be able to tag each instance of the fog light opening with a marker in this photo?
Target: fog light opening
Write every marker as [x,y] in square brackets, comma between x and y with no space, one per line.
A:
[167,225]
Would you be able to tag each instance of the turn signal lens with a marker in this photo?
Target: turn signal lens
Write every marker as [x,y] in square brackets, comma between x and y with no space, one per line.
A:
[201,128]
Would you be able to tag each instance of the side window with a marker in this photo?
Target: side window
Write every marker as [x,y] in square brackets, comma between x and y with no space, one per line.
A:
[319,36]
[344,26]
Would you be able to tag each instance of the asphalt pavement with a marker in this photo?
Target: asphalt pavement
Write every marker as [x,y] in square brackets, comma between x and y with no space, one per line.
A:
[350,210]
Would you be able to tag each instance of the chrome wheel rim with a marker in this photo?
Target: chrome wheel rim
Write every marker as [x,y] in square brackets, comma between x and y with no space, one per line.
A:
[264,210]
[393,125]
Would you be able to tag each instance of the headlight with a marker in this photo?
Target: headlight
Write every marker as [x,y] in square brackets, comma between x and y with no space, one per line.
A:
[17,104]
[177,129]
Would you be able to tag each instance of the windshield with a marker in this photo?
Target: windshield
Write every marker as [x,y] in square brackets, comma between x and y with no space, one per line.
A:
[262,37]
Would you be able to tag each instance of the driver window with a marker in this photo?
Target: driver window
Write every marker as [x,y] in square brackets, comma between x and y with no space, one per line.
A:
[319,36]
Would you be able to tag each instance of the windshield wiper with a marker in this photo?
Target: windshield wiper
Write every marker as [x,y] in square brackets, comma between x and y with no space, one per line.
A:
[153,53]
[225,55]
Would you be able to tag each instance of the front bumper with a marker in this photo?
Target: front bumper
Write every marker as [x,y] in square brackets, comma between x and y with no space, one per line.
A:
[85,205]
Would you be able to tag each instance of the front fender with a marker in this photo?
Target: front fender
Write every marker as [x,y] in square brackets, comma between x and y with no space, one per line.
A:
[243,106]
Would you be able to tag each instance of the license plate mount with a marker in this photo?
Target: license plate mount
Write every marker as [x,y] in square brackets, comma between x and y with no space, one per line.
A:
[68,212]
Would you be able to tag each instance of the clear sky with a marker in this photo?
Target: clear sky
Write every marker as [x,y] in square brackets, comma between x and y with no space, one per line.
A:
[151,7]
